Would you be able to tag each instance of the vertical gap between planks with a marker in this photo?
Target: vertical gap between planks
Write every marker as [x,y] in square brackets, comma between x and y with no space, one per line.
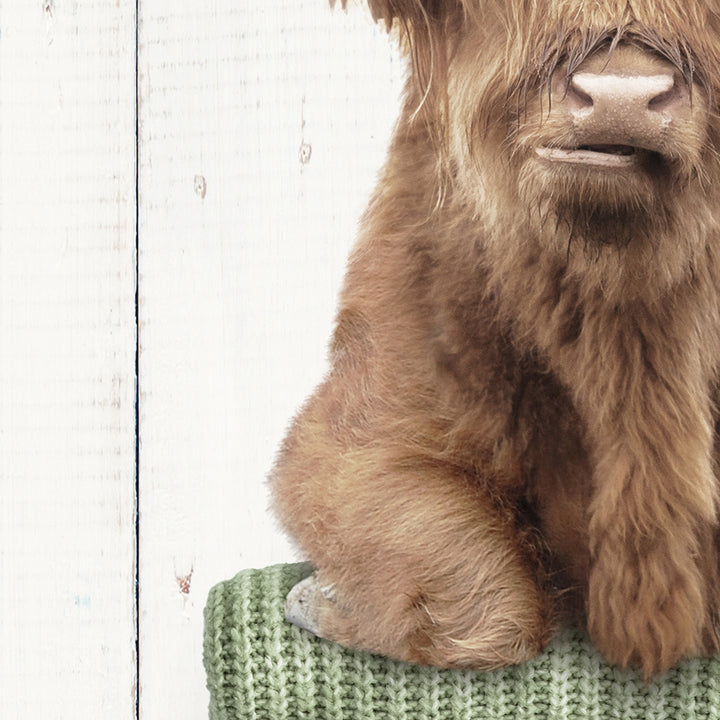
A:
[137,359]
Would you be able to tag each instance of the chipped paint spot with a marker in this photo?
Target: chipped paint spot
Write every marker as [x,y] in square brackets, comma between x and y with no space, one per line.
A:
[200,186]
[184,582]
[82,601]
[48,7]
[305,153]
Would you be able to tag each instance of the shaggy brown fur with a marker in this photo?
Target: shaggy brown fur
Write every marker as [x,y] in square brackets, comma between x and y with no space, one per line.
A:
[521,417]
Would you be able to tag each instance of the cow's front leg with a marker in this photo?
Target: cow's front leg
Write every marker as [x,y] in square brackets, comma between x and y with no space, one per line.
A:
[651,532]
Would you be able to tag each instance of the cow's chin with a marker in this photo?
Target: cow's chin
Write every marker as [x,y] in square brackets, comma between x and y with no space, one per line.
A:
[592,200]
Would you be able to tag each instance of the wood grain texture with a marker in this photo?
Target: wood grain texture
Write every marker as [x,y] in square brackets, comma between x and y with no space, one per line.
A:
[262,127]
[67,379]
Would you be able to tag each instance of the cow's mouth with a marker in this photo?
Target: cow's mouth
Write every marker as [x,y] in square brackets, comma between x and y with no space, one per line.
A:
[601,155]
[610,149]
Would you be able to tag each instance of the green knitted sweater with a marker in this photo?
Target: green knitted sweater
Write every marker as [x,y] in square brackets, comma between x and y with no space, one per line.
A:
[259,667]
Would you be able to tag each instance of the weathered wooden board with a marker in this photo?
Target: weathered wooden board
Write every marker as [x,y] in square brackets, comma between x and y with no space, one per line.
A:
[262,127]
[67,358]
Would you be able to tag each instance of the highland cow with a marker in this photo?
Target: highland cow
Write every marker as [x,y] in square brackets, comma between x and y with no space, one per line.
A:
[520,423]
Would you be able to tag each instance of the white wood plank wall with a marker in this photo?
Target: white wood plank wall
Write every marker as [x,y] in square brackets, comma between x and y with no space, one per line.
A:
[261,127]
[67,378]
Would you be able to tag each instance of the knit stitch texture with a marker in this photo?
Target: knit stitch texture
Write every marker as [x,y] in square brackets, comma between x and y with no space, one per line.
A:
[259,667]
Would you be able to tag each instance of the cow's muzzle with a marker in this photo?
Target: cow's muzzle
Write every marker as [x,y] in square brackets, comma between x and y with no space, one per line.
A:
[619,110]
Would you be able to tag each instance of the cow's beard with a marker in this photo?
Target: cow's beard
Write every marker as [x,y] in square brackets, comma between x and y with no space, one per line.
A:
[590,211]
[594,228]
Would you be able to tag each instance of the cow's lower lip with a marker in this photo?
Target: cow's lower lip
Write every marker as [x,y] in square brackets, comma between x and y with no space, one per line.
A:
[603,156]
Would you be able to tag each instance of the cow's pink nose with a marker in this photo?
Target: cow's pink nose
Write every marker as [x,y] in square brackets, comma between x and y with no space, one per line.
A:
[624,93]
[627,109]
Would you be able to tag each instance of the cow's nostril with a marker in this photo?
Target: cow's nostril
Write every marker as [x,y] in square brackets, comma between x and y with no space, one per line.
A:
[579,98]
[664,99]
